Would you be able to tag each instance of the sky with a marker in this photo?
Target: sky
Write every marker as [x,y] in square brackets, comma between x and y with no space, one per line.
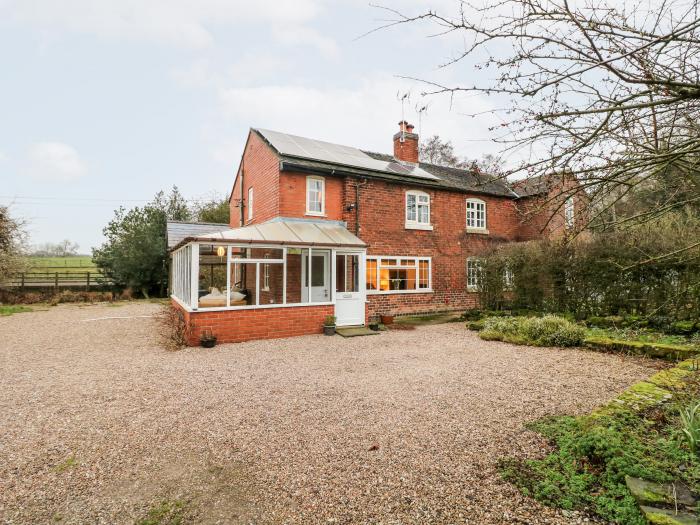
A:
[105,102]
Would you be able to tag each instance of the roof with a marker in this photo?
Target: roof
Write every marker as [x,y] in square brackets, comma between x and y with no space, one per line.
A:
[299,153]
[177,231]
[538,185]
[284,231]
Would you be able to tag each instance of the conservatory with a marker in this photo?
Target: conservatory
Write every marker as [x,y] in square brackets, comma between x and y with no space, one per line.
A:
[277,266]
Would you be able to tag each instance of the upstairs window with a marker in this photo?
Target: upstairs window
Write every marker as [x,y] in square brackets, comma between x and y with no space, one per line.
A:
[476,214]
[569,212]
[418,210]
[315,195]
[250,204]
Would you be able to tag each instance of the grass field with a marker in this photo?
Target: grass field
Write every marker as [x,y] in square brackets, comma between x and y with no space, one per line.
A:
[76,264]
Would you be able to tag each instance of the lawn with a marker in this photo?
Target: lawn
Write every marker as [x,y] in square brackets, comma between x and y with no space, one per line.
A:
[12,309]
[72,264]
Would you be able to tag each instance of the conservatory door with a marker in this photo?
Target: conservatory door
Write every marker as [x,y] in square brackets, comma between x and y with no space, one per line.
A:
[349,289]
[320,277]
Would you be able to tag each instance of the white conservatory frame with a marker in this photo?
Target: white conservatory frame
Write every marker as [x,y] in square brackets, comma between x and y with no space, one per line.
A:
[185,273]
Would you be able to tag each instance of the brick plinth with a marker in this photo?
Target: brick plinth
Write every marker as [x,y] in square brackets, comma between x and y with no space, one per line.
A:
[235,326]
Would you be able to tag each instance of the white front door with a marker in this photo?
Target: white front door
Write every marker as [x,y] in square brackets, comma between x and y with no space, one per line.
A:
[349,289]
[320,277]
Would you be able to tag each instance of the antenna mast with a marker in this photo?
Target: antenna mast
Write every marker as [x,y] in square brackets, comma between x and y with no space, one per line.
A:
[403,97]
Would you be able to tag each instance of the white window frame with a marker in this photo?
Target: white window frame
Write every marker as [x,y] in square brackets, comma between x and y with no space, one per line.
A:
[508,279]
[416,265]
[250,203]
[266,277]
[475,225]
[417,224]
[569,210]
[322,197]
[474,286]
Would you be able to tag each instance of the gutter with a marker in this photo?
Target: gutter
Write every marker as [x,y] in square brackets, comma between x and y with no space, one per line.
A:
[218,240]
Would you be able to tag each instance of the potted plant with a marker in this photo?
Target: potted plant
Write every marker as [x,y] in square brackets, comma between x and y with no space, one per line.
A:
[387,319]
[374,325]
[329,325]
[207,339]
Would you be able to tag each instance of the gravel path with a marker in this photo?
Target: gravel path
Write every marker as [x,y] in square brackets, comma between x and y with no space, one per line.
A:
[99,425]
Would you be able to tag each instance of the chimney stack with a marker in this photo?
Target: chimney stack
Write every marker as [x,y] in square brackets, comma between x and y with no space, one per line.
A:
[406,143]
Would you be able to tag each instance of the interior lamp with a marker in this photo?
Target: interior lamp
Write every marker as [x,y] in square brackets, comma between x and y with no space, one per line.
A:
[221,251]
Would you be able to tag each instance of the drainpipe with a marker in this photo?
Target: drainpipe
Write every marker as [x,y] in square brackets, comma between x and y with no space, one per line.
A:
[242,193]
[358,183]
[357,208]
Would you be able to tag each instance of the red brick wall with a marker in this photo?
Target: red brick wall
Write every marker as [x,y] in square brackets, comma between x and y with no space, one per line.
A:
[382,227]
[261,167]
[235,326]
[543,215]
[293,196]
[381,211]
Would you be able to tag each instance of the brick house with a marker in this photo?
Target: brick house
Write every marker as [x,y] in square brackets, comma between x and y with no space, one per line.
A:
[320,229]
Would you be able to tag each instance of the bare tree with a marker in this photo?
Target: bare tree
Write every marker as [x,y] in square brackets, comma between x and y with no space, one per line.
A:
[609,94]
[440,152]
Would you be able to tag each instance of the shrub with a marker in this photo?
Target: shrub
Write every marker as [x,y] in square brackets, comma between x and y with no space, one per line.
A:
[172,328]
[549,330]
[690,425]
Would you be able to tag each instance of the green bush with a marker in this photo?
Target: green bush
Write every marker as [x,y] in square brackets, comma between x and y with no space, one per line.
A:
[650,431]
[549,330]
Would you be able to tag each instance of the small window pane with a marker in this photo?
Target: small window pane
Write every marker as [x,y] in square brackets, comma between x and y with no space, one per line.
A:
[371,274]
[423,274]
[244,282]
[411,208]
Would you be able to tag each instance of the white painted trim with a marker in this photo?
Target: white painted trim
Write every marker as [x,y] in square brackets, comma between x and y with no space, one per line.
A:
[254,307]
[194,275]
[322,213]
[415,224]
[418,226]
[228,276]
[251,198]
[476,229]
[396,292]
[416,260]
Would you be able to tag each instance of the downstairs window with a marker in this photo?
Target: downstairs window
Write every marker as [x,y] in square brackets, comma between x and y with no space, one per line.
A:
[398,274]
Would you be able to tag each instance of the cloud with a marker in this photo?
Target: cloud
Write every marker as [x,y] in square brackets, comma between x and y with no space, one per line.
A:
[3,156]
[185,23]
[55,161]
[364,116]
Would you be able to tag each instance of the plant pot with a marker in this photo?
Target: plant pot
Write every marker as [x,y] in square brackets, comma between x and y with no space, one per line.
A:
[387,319]
[329,330]
[374,326]
[208,343]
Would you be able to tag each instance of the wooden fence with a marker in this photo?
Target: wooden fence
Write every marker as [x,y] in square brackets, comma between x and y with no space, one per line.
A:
[59,279]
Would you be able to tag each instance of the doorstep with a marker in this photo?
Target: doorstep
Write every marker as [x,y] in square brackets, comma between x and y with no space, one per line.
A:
[354,331]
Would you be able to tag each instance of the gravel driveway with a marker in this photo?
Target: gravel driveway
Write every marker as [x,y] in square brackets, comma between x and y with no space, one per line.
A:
[99,425]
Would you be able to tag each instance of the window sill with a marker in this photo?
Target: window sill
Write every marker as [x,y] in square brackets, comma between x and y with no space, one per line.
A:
[314,214]
[390,292]
[472,288]
[481,231]
[417,226]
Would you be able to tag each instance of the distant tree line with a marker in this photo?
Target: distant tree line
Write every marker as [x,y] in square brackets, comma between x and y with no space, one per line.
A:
[135,253]
[65,248]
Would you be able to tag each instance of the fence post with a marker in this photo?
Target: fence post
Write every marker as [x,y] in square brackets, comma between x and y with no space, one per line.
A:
[87,288]
[55,285]
[22,285]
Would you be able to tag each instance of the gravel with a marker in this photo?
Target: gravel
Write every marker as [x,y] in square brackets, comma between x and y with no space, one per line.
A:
[99,424]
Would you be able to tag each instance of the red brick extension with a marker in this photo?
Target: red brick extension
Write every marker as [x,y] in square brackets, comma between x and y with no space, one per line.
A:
[260,323]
